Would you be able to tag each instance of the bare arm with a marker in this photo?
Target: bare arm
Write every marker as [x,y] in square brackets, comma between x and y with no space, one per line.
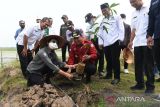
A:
[25,42]
[132,38]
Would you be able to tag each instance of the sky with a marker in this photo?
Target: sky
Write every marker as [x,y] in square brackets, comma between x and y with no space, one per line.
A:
[29,10]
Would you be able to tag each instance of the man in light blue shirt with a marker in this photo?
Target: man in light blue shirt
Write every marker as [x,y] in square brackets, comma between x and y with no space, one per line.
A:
[22,26]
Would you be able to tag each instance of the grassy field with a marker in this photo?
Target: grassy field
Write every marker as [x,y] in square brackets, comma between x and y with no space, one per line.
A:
[110,95]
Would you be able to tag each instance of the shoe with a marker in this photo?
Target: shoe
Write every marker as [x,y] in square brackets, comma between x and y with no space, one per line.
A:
[101,75]
[149,91]
[157,97]
[137,87]
[126,71]
[158,80]
[115,81]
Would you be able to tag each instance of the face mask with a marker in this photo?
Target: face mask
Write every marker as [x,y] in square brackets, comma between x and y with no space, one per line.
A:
[53,45]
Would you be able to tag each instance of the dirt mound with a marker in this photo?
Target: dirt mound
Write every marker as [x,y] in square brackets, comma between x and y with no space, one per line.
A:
[41,96]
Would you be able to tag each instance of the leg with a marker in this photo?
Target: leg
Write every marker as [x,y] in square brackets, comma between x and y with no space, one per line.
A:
[23,60]
[64,52]
[34,79]
[149,66]
[90,69]
[139,69]
[107,52]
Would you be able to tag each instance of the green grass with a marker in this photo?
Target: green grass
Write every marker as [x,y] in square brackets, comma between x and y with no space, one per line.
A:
[8,48]
[98,85]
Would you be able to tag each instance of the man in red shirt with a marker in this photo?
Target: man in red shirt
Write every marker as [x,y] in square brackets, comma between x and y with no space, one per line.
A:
[83,51]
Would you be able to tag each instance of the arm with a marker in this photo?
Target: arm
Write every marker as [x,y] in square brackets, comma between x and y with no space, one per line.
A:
[121,28]
[100,38]
[25,42]
[93,52]
[71,56]
[151,22]
[132,38]
[16,34]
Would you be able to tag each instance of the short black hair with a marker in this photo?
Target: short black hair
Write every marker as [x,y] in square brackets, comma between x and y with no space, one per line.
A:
[123,16]
[44,19]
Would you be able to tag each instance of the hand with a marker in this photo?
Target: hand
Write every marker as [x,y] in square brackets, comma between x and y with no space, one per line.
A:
[33,50]
[71,66]
[149,41]
[24,52]
[100,46]
[86,57]
[130,45]
[69,76]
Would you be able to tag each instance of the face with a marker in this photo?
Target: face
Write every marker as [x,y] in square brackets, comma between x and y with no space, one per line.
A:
[45,24]
[136,3]
[92,21]
[105,11]
[78,40]
[22,25]
[65,20]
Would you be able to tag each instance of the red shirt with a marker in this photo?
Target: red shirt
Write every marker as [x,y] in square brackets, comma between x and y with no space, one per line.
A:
[78,51]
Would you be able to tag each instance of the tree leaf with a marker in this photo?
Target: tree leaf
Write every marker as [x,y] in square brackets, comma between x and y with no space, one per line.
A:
[113,5]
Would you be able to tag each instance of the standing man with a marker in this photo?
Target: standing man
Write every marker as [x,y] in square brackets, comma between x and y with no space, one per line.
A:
[92,35]
[22,26]
[153,29]
[27,39]
[49,30]
[110,41]
[142,54]
[126,40]
[63,30]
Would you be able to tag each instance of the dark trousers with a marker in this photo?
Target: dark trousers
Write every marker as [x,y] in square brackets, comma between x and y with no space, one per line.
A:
[89,69]
[64,48]
[144,63]
[157,52]
[24,60]
[112,54]
[40,79]
[100,54]
[125,63]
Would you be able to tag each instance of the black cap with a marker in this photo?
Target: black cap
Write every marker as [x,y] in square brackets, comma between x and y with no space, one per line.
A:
[105,5]
[88,17]
[77,33]
[64,17]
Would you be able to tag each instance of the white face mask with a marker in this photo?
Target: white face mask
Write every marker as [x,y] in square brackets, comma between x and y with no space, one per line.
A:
[53,45]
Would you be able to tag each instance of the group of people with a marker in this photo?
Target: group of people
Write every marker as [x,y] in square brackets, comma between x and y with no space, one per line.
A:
[106,39]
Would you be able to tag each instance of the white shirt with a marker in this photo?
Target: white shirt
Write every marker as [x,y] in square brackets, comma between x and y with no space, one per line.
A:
[91,28]
[140,23]
[51,31]
[115,31]
[69,35]
[33,33]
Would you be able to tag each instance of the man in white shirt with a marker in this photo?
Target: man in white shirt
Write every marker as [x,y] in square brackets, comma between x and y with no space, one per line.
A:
[142,54]
[110,34]
[27,39]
